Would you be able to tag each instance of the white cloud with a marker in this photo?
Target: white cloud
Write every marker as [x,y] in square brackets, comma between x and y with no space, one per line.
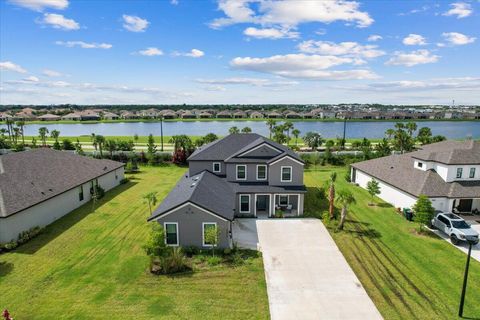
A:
[257,82]
[134,23]
[40,5]
[84,45]
[459,9]
[150,52]
[194,53]
[58,21]
[321,32]
[458,39]
[302,66]
[466,83]
[31,79]
[412,58]
[10,66]
[51,73]
[414,40]
[174,2]
[290,13]
[270,33]
[374,37]
[352,49]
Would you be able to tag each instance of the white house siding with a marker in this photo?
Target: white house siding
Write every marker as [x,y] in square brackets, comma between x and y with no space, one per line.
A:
[52,209]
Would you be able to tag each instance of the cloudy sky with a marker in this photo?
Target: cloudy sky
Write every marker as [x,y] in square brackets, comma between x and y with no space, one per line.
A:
[239,51]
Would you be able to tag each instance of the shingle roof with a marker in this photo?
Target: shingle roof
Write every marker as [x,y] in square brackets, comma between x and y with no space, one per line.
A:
[205,190]
[231,146]
[399,171]
[451,152]
[30,177]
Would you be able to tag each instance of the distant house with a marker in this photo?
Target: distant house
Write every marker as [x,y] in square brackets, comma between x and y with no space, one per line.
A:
[327,114]
[4,116]
[224,114]
[274,115]
[309,115]
[256,115]
[169,115]
[205,115]
[23,116]
[447,172]
[74,116]
[110,116]
[149,113]
[241,175]
[188,115]
[293,115]
[128,115]
[89,115]
[42,185]
[49,117]
[239,114]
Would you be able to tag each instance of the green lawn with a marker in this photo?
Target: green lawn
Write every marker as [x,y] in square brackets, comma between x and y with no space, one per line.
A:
[90,265]
[408,276]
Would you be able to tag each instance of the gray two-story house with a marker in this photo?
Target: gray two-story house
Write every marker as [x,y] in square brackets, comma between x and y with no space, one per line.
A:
[239,176]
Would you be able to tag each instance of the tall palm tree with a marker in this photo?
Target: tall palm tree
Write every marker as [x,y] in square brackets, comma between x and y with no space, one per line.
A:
[9,123]
[42,132]
[151,199]
[296,133]
[390,133]
[21,125]
[100,141]
[331,194]
[16,134]
[287,126]
[94,141]
[411,128]
[271,123]
[344,198]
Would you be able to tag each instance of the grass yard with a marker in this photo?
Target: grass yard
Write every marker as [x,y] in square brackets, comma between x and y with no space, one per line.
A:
[91,265]
[408,276]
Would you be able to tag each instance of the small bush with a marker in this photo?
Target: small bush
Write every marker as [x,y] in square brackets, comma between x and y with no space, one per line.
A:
[213,261]
[191,250]
[99,191]
[23,237]
[174,262]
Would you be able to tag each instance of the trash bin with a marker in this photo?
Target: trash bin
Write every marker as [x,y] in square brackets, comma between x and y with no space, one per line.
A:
[408,214]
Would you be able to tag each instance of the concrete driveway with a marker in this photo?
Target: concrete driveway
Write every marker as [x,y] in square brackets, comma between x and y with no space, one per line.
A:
[463,246]
[307,276]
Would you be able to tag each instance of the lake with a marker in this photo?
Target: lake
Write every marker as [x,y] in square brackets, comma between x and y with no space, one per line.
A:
[355,129]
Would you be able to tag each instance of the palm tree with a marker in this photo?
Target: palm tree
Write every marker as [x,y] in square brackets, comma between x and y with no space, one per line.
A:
[271,123]
[151,199]
[287,126]
[55,134]
[246,130]
[390,133]
[9,123]
[3,131]
[411,128]
[296,133]
[111,146]
[233,130]
[94,142]
[42,133]
[21,124]
[344,198]
[100,141]
[16,133]
[313,140]
[331,194]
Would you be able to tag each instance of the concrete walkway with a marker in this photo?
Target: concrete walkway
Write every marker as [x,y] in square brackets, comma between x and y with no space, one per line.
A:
[307,276]
[463,246]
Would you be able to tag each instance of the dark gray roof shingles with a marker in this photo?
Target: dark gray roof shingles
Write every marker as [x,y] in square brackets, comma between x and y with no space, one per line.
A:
[30,177]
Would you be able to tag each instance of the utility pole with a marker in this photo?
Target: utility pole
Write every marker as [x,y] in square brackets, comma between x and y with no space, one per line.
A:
[161,133]
[465,278]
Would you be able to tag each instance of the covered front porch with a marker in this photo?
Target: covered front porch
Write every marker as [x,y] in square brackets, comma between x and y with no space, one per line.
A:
[465,206]
[278,205]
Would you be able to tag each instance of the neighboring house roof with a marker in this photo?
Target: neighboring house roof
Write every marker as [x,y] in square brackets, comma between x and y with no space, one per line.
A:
[205,190]
[451,152]
[399,171]
[30,177]
[230,147]
[49,116]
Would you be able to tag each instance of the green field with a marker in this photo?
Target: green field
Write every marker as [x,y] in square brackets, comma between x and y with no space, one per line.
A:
[91,265]
[408,276]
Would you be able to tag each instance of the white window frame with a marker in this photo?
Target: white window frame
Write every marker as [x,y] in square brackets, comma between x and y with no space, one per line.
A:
[236,171]
[266,176]
[459,170]
[474,171]
[219,167]
[281,173]
[203,233]
[240,203]
[178,234]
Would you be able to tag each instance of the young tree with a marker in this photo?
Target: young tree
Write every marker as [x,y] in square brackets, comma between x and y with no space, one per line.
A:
[383,148]
[233,130]
[212,236]
[331,194]
[151,200]
[424,211]
[111,146]
[151,148]
[278,135]
[411,128]
[182,146]
[246,130]
[287,126]
[42,132]
[313,140]
[271,123]
[424,135]
[21,125]
[296,134]
[78,148]
[94,140]
[344,198]
[100,142]
[390,133]
[373,188]
[55,134]
[155,246]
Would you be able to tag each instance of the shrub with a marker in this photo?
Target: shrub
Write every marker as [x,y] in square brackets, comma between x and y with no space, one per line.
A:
[67,145]
[23,237]
[191,250]
[100,192]
[278,214]
[174,262]
[213,261]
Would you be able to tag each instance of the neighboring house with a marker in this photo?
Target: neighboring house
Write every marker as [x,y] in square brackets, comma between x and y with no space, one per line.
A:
[74,116]
[224,114]
[293,115]
[4,116]
[128,115]
[49,117]
[110,116]
[447,172]
[42,185]
[205,115]
[256,115]
[149,113]
[89,115]
[241,175]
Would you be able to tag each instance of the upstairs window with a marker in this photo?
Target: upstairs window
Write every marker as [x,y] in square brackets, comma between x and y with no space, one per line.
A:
[261,172]
[217,167]
[241,172]
[420,164]
[459,172]
[286,174]
[472,173]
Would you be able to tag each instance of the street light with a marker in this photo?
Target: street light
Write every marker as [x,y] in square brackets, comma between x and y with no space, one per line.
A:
[465,278]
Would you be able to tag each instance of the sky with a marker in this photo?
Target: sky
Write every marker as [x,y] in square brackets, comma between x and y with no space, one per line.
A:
[239,52]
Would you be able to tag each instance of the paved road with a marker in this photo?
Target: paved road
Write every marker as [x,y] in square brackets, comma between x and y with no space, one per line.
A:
[307,276]
[463,246]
